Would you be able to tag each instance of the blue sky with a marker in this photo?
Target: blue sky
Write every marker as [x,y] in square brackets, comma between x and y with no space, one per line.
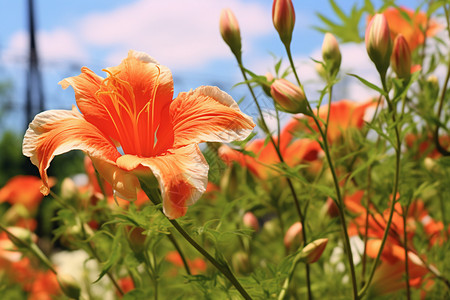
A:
[180,34]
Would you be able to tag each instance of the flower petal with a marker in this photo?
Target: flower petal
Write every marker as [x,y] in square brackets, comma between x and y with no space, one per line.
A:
[129,104]
[182,175]
[124,184]
[208,114]
[55,132]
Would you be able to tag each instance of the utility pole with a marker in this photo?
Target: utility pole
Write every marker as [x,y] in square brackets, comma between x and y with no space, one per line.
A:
[34,91]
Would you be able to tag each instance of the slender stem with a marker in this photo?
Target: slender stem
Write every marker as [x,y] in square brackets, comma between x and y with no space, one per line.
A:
[405,246]
[442,97]
[397,149]
[339,201]
[85,237]
[183,258]
[33,248]
[153,275]
[225,269]
[221,266]
[366,225]
[280,156]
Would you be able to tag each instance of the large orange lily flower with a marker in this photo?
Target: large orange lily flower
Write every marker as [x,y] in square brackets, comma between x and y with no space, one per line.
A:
[411,30]
[130,127]
[344,114]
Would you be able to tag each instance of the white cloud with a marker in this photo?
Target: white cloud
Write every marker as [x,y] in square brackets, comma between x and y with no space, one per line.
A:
[53,46]
[178,34]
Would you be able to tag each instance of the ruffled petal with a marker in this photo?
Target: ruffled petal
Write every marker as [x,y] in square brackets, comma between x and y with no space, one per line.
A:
[55,132]
[124,183]
[208,114]
[182,175]
[129,104]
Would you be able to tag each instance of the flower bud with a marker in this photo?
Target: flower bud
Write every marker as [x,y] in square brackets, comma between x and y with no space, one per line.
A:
[283,16]
[288,96]
[69,285]
[312,252]
[136,239]
[293,237]
[378,42]
[401,58]
[321,70]
[330,208]
[331,54]
[270,79]
[229,29]
[241,263]
[250,221]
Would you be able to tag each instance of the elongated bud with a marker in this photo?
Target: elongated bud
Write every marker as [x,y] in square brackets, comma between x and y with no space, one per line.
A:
[250,221]
[283,17]
[331,54]
[69,285]
[312,252]
[293,237]
[401,58]
[241,262]
[378,42]
[288,96]
[136,239]
[231,34]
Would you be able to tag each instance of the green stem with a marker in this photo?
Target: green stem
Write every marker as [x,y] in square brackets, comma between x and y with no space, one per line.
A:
[183,258]
[339,201]
[405,246]
[33,248]
[222,267]
[280,156]
[85,237]
[153,274]
[397,149]
[442,97]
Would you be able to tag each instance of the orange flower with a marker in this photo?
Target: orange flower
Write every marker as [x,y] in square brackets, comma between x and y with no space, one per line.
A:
[24,190]
[424,144]
[301,150]
[411,30]
[45,286]
[388,276]
[131,128]
[344,114]
[196,265]
[126,284]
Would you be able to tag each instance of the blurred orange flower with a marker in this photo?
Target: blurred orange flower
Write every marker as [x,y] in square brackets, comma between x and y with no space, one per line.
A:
[411,30]
[196,265]
[344,114]
[130,127]
[24,190]
[425,146]
[389,276]
[126,284]
[262,165]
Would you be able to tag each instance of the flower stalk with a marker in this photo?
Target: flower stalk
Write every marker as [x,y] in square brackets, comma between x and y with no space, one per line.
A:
[154,196]
[338,201]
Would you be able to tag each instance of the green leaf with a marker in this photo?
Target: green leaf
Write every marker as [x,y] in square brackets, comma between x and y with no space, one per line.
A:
[369,84]
[116,251]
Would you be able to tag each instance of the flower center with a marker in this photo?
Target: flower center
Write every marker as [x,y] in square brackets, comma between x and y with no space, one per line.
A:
[135,126]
